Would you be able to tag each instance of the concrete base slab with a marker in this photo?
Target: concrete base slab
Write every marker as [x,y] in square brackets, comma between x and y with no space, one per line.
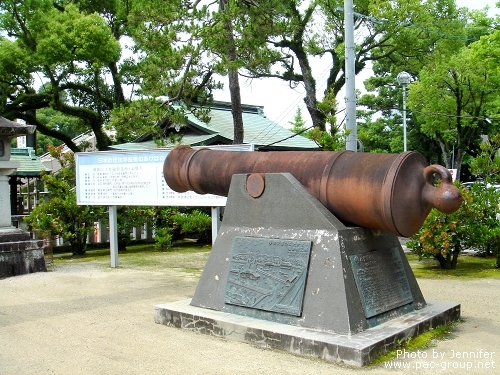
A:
[356,350]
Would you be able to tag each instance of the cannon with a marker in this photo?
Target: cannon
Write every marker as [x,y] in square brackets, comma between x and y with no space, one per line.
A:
[391,192]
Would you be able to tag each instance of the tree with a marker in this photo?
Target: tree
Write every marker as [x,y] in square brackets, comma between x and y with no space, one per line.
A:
[225,9]
[57,121]
[71,51]
[170,65]
[60,215]
[483,230]
[452,99]
[486,165]
[181,48]
[385,95]
[329,141]
[302,31]
[298,123]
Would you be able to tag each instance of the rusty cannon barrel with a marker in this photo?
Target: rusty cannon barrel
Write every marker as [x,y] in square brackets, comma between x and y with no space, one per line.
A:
[393,192]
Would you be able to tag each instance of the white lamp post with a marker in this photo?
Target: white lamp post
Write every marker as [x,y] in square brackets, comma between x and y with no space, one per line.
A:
[404,79]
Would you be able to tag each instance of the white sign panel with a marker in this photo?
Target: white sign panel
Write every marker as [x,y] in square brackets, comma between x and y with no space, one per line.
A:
[453,174]
[120,178]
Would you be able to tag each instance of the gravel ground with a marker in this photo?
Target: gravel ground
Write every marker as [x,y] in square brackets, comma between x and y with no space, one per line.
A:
[86,319]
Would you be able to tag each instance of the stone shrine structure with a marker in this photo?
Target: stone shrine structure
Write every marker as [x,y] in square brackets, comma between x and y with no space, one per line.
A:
[19,254]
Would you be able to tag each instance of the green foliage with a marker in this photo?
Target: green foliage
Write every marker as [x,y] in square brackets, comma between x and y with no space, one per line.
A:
[56,121]
[329,141]
[172,223]
[73,36]
[483,228]
[298,123]
[166,229]
[72,52]
[129,217]
[464,87]
[486,165]
[474,225]
[163,238]
[438,238]
[60,215]
[195,222]
[441,235]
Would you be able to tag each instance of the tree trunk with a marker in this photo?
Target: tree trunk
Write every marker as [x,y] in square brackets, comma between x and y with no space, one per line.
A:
[317,117]
[449,262]
[119,96]
[78,245]
[101,138]
[234,90]
[234,83]
[444,262]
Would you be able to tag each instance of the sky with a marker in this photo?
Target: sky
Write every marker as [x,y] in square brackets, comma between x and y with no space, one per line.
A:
[280,101]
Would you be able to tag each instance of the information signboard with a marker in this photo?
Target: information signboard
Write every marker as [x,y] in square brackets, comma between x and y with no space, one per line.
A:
[135,178]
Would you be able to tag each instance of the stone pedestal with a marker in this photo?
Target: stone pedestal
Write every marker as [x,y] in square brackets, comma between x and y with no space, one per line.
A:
[19,254]
[6,168]
[286,273]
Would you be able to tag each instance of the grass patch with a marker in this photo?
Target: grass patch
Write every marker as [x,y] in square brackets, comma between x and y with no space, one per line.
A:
[422,342]
[468,267]
[185,256]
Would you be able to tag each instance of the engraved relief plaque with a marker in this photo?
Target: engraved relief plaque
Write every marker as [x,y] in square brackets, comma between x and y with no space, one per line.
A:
[381,280]
[268,274]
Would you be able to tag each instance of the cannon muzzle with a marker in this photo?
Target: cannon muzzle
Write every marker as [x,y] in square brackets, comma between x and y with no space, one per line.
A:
[393,192]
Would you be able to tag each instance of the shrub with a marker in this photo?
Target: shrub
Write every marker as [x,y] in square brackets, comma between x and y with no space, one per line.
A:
[474,225]
[194,223]
[163,238]
[441,235]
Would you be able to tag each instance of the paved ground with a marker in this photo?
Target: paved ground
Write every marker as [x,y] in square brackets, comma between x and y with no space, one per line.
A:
[85,319]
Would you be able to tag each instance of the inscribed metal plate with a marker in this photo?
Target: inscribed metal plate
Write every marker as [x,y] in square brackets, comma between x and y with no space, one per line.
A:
[381,280]
[268,274]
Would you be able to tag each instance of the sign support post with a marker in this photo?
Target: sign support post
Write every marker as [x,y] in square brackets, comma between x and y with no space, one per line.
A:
[113,236]
[215,222]
[135,178]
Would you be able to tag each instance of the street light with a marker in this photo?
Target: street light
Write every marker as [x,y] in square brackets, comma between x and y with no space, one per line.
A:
[404,79]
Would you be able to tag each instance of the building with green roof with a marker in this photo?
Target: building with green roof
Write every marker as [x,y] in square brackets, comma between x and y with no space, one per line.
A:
[263,133]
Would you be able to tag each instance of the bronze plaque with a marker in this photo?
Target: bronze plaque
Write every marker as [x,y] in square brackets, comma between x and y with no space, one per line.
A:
[381,280]
[268,274]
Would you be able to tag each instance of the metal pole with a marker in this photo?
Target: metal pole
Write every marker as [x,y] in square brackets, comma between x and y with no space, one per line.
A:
[113,236]
[215,222]
[350,73]
[404,118]
[403,79]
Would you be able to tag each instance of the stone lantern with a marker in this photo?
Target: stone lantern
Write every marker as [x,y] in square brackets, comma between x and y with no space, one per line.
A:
[19,254]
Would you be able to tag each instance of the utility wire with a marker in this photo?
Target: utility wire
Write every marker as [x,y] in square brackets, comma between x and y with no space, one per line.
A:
[444,114]
[291,136]
[287,110]
[300,132]
[421,27]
